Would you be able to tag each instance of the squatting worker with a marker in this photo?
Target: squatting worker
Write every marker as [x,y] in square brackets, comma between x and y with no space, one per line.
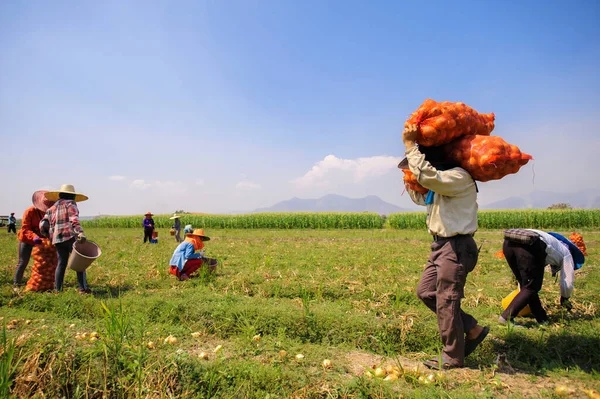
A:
[61,225]
[452,221]
[185,260]
[29,233]
[527,252]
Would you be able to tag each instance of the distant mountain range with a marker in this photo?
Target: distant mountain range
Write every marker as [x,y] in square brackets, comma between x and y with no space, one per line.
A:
[338,203]
[543,199]
[335,203]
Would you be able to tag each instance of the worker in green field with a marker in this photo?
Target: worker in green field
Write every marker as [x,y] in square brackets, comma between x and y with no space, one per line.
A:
[61,225]
[12,223]
[527,252]
[451,202]
[148,224]
[176,226]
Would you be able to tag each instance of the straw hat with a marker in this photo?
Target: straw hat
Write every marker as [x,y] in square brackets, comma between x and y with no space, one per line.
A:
[199,233]
[40,202]
[66,189]
[148,214]
[175,216]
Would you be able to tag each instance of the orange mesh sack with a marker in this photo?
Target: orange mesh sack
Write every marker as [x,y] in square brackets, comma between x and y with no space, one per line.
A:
[440,123]
[486,157]
[499,254]
[411,180]
[45,260]
[577,239]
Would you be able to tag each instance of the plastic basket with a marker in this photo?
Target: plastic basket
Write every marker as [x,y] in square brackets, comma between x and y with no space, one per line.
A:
[83,255]
[526,311]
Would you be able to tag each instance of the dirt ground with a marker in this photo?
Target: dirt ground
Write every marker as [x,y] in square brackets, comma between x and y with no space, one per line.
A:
[503,379]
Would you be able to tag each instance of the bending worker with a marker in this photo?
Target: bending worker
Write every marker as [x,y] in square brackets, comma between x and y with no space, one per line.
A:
[528,252]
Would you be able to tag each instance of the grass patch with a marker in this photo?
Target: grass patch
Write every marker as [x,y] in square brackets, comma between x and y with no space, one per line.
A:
[321,293]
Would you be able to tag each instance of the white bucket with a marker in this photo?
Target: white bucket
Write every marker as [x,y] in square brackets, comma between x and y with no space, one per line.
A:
[83,255]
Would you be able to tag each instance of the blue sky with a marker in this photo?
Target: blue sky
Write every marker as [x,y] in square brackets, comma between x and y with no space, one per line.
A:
[218,106]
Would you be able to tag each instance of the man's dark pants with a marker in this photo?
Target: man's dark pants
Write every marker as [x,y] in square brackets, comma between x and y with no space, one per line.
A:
[441,289]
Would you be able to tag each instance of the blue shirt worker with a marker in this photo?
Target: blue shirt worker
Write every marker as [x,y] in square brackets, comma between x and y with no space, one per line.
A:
[12,223]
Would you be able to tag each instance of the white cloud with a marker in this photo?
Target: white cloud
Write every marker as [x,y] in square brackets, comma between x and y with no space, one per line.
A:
[247,185]
[116,178]
[162,187]
[199,182]
[356,170]
[170,187]
[140,184]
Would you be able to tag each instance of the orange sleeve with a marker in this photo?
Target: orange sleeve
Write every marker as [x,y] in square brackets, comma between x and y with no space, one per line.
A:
[29,224]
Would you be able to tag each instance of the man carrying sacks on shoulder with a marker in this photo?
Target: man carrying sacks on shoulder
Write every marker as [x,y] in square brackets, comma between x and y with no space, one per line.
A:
[452,221]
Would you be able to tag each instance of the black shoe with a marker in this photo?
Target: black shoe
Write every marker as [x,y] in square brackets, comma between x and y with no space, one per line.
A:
[472,344]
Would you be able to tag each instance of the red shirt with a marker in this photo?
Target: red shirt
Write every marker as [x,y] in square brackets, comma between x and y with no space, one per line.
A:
[30,229]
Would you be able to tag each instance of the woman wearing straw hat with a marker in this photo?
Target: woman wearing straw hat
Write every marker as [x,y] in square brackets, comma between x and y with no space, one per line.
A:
[186,260]
[148,224]
[61,224]
[176,226]
[527,252]
[29,234]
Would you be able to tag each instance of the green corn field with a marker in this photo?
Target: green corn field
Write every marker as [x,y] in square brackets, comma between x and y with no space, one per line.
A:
[506,219]
[297,220]
[541,219]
